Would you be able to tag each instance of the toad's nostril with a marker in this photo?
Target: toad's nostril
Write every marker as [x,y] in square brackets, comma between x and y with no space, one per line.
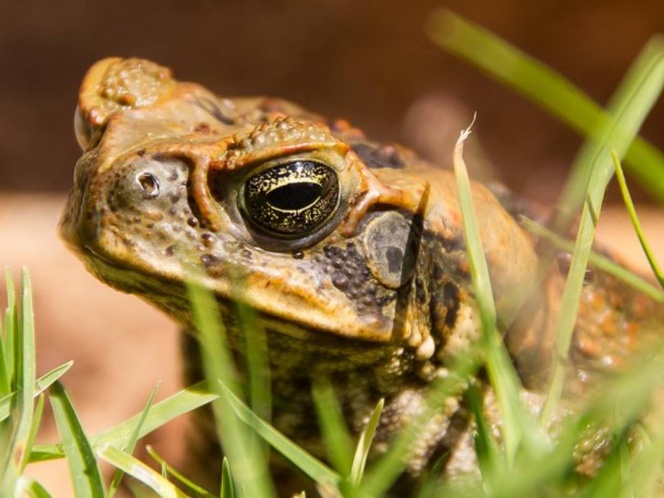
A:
[149,184]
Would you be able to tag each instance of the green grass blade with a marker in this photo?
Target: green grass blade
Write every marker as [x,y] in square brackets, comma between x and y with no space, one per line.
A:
[26,367]
[519,429]
[46,380]
[307,463]
[21,336]
[598,261]
[9,475]
[539,83]
[334,431]
[364,445]
[31,488]
[258,368]
[632,101]
[41,385]
[131,444]
[163,412]
[83,469]
[239,443]
[647,466]
[226,490]
[169,470]
[139,471]
[10,327]
[622,182]
[486,447]
[5,377]
[32,435]
[5,406]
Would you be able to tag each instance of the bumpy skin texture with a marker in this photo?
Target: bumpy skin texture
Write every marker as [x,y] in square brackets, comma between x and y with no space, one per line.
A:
[350,252]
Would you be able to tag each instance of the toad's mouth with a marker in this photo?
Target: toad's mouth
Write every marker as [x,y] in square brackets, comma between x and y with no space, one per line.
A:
[295,340]
[168,292]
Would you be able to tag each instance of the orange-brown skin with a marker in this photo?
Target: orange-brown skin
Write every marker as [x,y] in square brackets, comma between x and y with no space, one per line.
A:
[376,294]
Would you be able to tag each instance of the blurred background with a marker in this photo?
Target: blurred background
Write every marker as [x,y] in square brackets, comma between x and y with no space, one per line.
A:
[368,61]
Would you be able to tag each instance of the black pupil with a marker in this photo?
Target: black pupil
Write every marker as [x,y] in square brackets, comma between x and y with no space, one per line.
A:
[294,196]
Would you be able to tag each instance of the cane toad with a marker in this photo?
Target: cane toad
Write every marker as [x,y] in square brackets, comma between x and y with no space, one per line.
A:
[350,252]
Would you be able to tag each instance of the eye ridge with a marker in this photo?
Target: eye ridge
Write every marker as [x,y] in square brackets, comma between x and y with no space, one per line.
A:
[291,199]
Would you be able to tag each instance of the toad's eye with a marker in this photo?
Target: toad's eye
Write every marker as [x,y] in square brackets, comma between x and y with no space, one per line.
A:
[292,199]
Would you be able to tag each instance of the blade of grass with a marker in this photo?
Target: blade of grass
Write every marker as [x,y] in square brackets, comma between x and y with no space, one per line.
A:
[338,442]
[31,488]
[23,384]
[486,449]
[131,444]
[226,488]
[163,412]
[543,86]
[258,368]
[635,220]
[307,463]
[41,385]
[5,379]
[32,435]
[249,466]
[169,470]
[83,469]
[647,466]
[519,429]
[630,105]
[139,471]
[10,327]
[364,445]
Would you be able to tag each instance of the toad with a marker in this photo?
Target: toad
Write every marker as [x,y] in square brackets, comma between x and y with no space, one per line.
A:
[350,254]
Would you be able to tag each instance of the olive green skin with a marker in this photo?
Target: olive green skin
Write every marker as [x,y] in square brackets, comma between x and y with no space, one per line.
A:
[374,294]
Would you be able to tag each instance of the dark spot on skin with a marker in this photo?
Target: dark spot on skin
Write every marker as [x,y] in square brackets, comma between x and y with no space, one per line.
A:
[202,128]
[444,307]
[394,257]
[141,153]
[451,301]
[453,244]
[420,294]
[246,253]
[350,274]
[172,175]
[298,255]
[209,260]
[192,222]
[208,239]
[340,281]
[169,251]
[384,156]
